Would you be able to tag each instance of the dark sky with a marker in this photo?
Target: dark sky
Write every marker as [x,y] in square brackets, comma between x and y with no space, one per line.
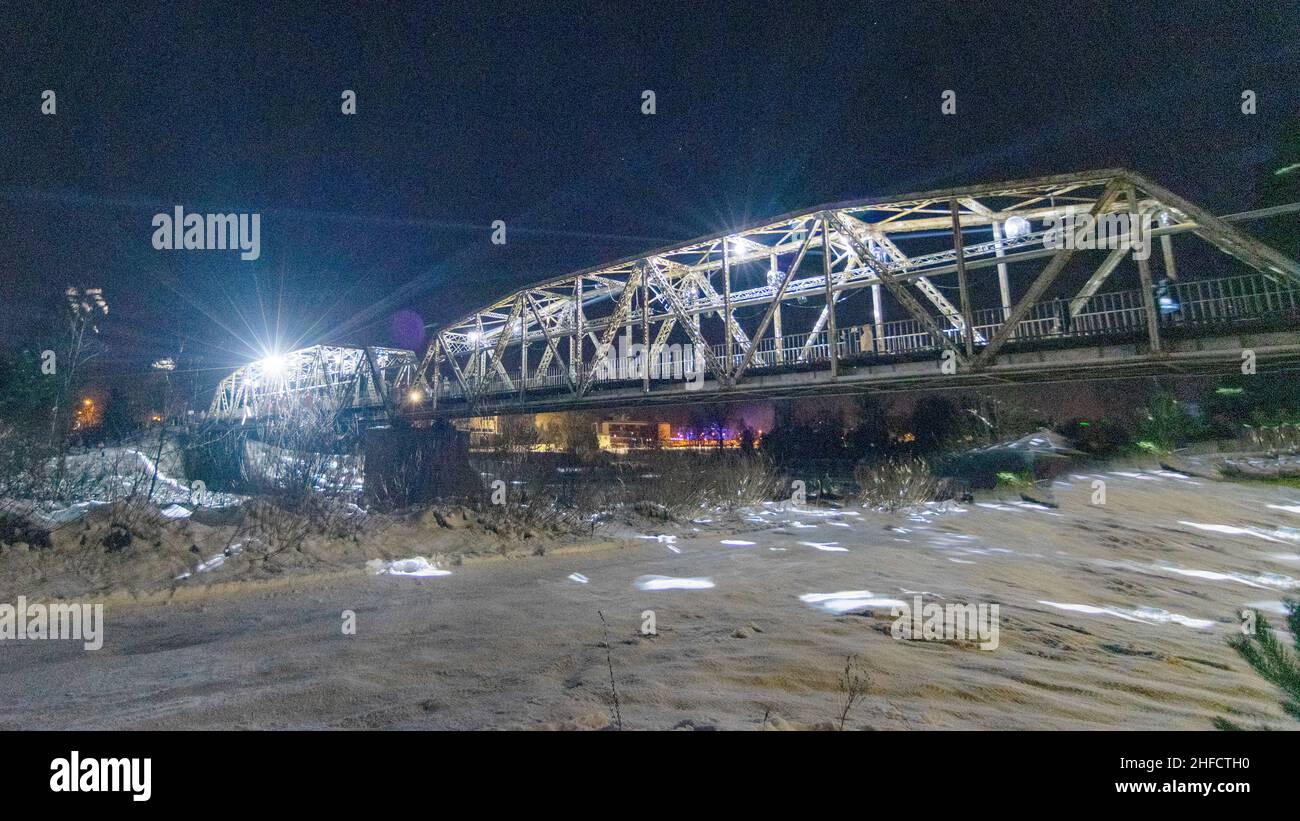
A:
[531,113]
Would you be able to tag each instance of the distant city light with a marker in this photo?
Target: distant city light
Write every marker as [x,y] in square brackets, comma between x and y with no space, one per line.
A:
[473,337]
[416,396]
[1016,227]
[167,364]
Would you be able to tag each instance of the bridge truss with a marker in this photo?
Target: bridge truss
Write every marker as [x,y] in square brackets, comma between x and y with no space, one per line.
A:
[874,292]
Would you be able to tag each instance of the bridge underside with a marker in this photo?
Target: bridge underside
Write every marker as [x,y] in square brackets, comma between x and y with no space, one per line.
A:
[1219,355]
[1090,275]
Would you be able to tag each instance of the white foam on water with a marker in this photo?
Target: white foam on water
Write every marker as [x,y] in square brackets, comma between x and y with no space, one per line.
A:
[417,566]
[829,547]
[1153,615]
[579,578]
[661,537]
[802,526]
[738,543]
[839,524]
[1287,508]
[996,506]
[671,583]
[176,512]
[959,561]
[1133,475]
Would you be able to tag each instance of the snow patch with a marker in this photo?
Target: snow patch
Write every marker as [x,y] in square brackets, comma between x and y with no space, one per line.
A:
[417,566]
[1153,615]
[671,583]
[848,601]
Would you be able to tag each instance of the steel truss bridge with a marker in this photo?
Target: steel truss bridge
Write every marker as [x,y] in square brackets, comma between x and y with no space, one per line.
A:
[973,286]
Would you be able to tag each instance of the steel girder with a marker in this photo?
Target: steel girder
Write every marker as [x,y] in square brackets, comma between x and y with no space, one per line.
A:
[720,294]
[328,377]
[868,244]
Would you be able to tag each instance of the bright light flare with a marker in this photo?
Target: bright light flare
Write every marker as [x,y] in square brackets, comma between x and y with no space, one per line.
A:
[274,366]
[1016,227]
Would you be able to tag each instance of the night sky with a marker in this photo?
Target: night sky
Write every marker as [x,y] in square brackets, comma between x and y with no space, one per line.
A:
[471,113]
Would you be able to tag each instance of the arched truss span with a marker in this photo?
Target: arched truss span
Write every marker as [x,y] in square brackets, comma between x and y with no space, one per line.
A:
[843,292]
[327,378]
[730,297]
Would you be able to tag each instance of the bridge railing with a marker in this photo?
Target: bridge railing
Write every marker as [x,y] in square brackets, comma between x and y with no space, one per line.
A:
[1187,303]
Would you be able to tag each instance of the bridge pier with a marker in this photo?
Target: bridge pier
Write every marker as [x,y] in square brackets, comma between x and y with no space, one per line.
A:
[215,457]
[406,465]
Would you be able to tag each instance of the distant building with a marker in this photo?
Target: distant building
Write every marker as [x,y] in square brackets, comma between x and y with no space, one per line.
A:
[623,435]
[482,430]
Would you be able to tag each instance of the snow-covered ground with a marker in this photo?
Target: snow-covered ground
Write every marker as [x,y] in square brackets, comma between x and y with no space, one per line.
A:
[1113,615]
[97,477]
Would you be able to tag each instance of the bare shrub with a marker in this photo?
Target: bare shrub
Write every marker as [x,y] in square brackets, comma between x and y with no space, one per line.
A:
[1272,439]
[898,484]
[854,683]
[683,484]
[303,474]
[616,708]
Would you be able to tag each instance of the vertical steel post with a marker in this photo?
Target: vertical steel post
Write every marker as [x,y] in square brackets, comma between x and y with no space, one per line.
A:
[878,318]
[726,304]
[1167,248]
[773,273]
[1004,286]
[832,333]
[968,328]
[645,332]
[575,344]
[1144,269]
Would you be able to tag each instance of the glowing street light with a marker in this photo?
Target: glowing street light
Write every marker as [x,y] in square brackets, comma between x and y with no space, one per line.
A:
[1016,227]
[274,366]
